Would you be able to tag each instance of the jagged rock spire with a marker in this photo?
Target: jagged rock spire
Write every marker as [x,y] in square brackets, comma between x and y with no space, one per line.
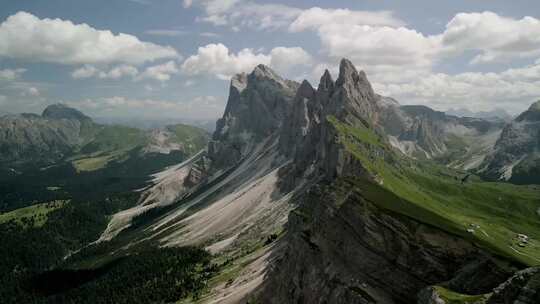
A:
[349,76]
[326,83]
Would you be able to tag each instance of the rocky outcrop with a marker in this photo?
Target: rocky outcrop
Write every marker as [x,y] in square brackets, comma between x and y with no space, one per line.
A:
[522,288]
[516,155]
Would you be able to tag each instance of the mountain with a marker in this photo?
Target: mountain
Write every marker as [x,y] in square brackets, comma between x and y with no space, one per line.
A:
[495,114]
[515,156]
[47,138]
[62,133]
[306,195]
[459,142]
[303,196]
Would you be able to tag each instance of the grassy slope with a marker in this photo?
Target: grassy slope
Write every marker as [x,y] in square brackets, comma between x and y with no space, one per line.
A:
[194,139]
[435,195]
[451,297]
[39,212]
[104,144]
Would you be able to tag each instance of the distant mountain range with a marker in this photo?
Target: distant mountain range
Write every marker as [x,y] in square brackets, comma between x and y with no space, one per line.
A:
[496,113]
[63,133]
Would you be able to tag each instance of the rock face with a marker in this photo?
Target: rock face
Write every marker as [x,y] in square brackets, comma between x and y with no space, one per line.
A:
[309,138]
[516,155]
[256,108]
[421,132]
[346,250]
[47,138]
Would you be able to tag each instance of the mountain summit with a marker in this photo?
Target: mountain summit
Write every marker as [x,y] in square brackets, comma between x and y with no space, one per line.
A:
[61,111]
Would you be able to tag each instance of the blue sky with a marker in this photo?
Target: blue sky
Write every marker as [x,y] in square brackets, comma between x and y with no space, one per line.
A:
[173,58]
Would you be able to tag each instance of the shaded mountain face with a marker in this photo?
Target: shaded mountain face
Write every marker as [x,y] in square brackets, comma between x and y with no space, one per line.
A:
[62,132]
[304,194]
[60,111]
[516,155]
[45,138]
[256,108]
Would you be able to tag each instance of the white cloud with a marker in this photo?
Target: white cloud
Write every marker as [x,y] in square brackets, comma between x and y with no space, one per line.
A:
[217,60]
[24,36]
[33,91]
[86,71]
[202,107]
[511,89]
[160,72]
[30,92]
[316,17]
[283,58]
[496,37]
[120,71]
[11,74]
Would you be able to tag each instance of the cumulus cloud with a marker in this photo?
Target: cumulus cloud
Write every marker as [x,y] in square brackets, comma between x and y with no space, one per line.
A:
[25,36]
[120,71]
[161,72]
[496,37]
[282,58]
[217,60]
[511,89]
[11,74]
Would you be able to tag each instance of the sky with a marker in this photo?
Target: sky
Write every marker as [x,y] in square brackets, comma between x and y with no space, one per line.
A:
[162,59]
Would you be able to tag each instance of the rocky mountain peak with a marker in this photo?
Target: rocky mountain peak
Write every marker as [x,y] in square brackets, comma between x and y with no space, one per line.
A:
[61,111]
[349,76]
[305,90]
[262,71]
[535,106]
[257,106]
[532,114]
[326,83]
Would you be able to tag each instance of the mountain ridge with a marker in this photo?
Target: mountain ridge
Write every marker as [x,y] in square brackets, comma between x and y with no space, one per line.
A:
[266,197]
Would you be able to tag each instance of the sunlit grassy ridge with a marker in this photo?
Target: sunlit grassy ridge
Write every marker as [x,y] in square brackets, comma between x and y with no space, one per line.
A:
[451,297]
[194,139]
[105,144]
[493,212]
[35,214]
